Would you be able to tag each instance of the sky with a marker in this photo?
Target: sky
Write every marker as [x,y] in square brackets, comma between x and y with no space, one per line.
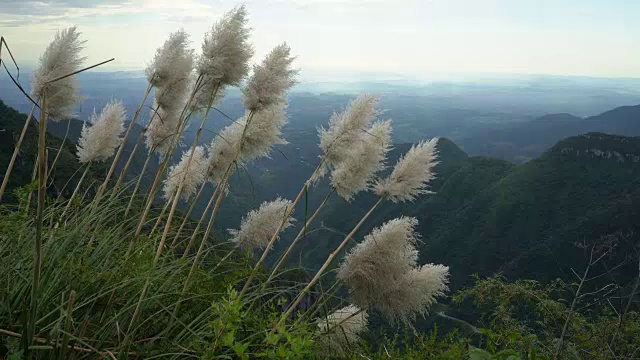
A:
[410,37]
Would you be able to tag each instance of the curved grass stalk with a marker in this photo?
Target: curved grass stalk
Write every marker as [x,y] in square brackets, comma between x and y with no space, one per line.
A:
[164,209]
[194,234]
[37,254]
[7,173]
[64,140]
[138,183]
[301,233]
[186,216]
[75,191]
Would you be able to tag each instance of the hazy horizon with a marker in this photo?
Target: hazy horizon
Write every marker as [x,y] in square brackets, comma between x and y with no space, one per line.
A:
[593,38]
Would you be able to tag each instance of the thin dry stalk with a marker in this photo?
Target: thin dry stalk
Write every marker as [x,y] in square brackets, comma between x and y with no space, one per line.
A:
[75,191]
[145,288]
[114,163]
[583,280]
[7,174]
[34,173]
[176,198]
[45,341]
[326,264]
[194,234]
[42,188]
[275,235]
[64,141]
[164,210]
[67,325]
[137,187]
[196,260]
[186,216]
[182,122]
[301,233]
[221,194]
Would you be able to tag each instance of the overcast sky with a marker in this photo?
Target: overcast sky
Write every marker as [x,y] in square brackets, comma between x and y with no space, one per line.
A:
[565,37]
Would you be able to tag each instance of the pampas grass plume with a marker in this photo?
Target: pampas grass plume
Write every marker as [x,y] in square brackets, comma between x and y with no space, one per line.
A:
[259,225]
[61,57]
[414,294]
[373,267]
[270,80]
[412,173]
[345,326]
[99,141]
[162,129]
[347,128]
[365,158]
[194,175]
[262,132]
[170,72]
[226,50]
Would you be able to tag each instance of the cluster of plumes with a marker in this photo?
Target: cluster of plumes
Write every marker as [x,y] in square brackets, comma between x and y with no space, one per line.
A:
[99,141]
[270,80]
[253,135]
[354,147]
[260,134]
[258,227]
[415,292]
[192,175]
[342,328]
[162,128]
[225,57]
[170,74]
[62,57]
[412,173]
[382,273]
[363,161]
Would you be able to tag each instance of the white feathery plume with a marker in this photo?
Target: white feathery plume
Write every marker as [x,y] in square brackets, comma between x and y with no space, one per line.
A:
[61,57]
[345,326]
[346,129]
[412,173]
[225,55]
[259,225]
[195,176]
[223,151]
[99,141]
[162,129]
[374,266]
[363,160]
[262,132]
[270,80]
[170,70]
[415,292]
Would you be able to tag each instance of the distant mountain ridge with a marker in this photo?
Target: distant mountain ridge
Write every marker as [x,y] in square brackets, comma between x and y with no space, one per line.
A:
[526,140]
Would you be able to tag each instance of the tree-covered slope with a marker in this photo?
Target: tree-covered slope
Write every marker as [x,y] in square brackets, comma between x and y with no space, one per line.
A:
[527,140]
[527,223]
